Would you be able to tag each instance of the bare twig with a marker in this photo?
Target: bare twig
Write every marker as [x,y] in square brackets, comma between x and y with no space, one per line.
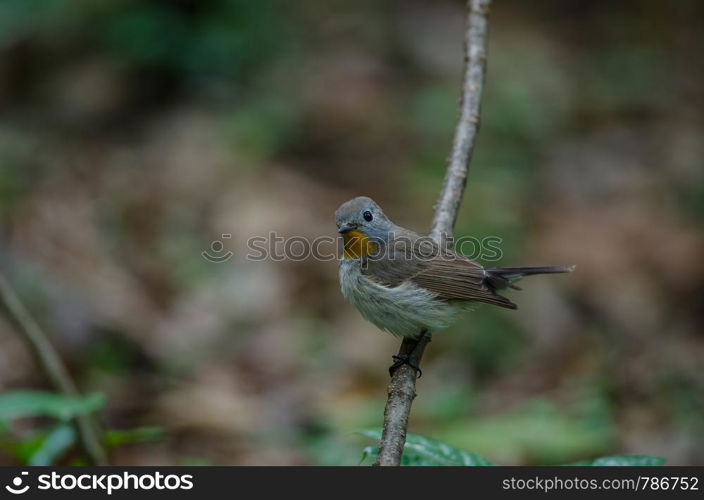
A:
[402,388]
[53,367]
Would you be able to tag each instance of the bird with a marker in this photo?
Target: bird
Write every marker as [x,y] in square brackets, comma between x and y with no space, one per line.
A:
[409,285]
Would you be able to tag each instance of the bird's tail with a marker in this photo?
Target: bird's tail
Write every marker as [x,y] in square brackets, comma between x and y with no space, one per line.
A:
[503,277]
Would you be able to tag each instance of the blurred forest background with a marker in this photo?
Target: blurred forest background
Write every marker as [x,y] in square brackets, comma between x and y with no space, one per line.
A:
[133,134]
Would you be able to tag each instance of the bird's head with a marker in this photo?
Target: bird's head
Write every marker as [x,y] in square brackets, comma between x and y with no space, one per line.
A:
[363,226]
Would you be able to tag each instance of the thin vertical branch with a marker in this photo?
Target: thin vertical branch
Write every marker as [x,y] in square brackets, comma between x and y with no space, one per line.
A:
[53,367]
[468,124]
[402,388]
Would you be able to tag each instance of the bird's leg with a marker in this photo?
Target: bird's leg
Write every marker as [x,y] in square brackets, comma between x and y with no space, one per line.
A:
[400,360]
[404,355]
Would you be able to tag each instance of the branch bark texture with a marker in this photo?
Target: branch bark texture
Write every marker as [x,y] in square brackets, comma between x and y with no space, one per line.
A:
[402,388]
[53,368]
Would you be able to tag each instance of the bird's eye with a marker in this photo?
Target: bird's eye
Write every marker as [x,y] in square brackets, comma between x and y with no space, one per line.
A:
[367,216]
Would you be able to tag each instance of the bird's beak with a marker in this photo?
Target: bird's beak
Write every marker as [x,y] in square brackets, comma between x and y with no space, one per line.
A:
[347,226]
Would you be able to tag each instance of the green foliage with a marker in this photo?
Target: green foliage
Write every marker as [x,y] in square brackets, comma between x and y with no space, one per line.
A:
[420,450]
[623,460]
[15,175]
[263,127]
[19,404]
[120,437]
[489,353]
[47,446]
[222,38]
[616,76]
[538,432]
[370,453]
[423,451]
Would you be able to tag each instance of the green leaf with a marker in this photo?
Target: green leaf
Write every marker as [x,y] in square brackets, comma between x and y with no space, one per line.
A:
[42,447]
[374,434]
[420,450]
[19,404]
[24,449]
[442,452]
[623,460]
[409,458]
[119,437]
[53,445]
[369,454]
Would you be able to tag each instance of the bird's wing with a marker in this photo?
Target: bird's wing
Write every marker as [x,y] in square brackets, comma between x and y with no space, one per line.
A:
[457,277]
[450,275]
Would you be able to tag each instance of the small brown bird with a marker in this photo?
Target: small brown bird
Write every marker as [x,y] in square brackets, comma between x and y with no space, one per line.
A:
[406,283]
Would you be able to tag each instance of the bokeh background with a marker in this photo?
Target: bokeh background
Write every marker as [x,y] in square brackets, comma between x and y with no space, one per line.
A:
[134,134]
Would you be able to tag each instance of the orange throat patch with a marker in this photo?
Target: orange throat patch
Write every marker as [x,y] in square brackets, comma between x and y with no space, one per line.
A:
[357,245]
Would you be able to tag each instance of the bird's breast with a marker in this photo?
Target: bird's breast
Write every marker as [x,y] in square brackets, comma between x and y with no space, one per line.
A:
[357,245]
[404,310]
